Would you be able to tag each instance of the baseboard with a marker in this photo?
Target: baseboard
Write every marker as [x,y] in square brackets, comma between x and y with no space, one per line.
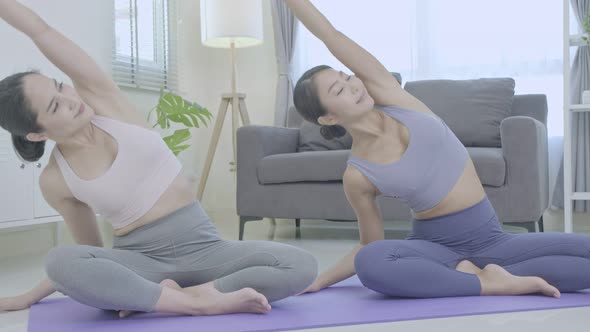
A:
[29,240]
[39,239]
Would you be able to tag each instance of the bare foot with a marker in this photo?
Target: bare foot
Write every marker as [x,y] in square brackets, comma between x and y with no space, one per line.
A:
[246,300]
[206,289]
[495,280]
[467,267]
[210,301]
[170,284]
[165,283]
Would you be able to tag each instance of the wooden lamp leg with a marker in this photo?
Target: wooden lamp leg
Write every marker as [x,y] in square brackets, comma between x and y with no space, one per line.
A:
[212,146]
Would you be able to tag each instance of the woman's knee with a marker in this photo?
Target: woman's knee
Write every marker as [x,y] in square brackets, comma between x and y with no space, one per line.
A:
[60,259]
[376,266]
[371,255]
[303,267]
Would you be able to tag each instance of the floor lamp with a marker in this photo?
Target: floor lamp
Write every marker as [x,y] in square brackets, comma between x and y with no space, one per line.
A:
[229,24]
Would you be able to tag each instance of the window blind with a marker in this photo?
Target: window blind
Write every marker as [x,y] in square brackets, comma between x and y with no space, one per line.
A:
[145,44]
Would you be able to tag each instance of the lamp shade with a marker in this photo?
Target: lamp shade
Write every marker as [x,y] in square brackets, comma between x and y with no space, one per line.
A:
[227,21]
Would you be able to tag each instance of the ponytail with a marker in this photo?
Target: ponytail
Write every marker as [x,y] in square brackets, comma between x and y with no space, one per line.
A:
[17,117]
[332,132]
[27,150]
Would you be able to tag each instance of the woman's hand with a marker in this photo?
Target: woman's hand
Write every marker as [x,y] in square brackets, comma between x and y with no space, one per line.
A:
[15,303]
[24,301]
[313,288]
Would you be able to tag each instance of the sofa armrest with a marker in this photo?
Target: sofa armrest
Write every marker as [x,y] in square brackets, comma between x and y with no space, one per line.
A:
[255,143]
[524,145]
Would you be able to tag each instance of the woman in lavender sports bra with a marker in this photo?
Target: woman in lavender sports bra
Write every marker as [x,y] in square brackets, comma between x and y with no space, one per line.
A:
[108,161]
[401,149]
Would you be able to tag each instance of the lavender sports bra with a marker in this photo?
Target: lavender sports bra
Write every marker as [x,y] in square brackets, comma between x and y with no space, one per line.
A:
[430,167]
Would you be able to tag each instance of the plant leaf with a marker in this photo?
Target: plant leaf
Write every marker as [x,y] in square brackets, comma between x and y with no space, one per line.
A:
[202,113]
[178,149]
[179,136]
[173,141]
[194,119]
[173,108]
[177,110]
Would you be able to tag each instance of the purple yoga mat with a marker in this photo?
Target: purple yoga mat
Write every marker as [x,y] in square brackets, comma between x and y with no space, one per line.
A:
[346,303]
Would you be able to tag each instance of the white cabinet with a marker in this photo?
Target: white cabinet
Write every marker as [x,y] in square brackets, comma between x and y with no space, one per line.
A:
[21,202]
[16,190]
[41,208]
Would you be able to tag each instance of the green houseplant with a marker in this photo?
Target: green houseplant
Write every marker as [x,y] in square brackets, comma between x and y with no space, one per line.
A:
[586,26]
[172,108]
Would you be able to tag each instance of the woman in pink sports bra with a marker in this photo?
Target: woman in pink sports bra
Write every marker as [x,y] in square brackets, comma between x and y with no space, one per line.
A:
[167,255]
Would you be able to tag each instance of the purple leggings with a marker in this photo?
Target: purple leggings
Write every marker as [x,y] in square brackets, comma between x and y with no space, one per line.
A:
[424,264]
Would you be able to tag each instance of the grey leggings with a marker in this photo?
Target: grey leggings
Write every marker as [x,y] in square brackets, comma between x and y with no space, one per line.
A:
[185,247]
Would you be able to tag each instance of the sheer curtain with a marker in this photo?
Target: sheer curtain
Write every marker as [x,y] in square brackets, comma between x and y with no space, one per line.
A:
[456,39]
[453,39]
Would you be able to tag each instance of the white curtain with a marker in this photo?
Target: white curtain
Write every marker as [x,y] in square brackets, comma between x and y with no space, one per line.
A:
[456,39]
[453,39]
[285,30]
[579,82]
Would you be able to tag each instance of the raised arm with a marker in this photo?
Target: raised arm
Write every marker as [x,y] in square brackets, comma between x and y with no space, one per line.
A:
[362,197]
[81,222]
[93,85]
[362,63]
[381,85]
[61,51]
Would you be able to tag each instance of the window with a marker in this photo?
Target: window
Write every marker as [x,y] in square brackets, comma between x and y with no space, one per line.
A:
[144,51]
[454,39]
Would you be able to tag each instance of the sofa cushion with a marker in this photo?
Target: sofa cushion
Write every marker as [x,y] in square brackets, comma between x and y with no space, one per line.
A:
[330,166]
[473,109]
[311,166]
[310,139]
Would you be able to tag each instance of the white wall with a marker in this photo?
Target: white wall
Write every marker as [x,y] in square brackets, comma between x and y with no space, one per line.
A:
[204,76]
[84,22]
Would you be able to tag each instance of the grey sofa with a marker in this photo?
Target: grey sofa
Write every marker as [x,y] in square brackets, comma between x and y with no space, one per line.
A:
[276,180]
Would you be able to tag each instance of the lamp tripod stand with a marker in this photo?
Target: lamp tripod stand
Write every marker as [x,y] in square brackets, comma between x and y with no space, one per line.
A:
[239,110]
